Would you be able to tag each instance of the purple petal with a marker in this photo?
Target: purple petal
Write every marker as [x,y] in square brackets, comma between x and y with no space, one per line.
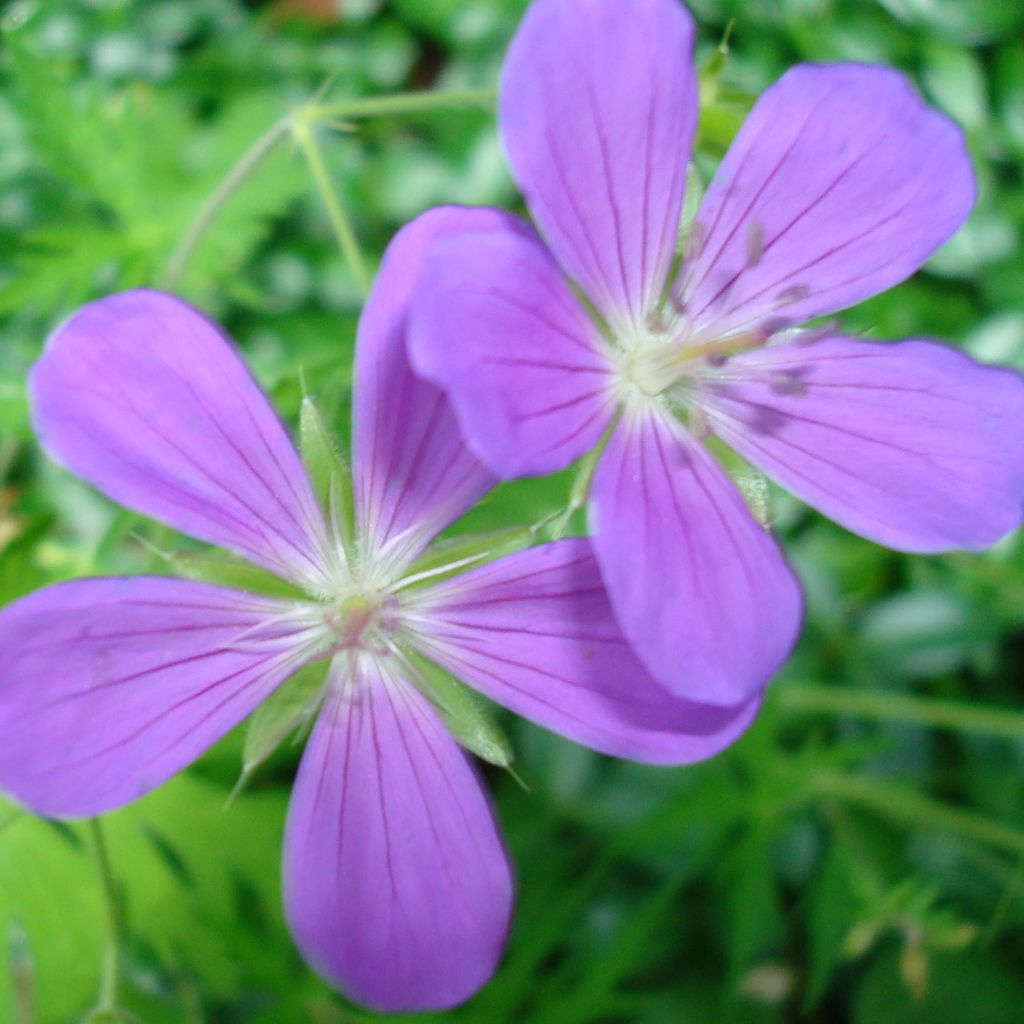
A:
[911,444]
[598,109]
[146,399]
[841,183]
[527,372]
[396,884]
[111,686]
[536,633]
[413,473]
[699,587]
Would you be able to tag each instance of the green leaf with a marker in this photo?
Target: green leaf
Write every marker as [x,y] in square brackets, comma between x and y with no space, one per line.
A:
[178,858]
[833,907]
[463,712]
[289,709]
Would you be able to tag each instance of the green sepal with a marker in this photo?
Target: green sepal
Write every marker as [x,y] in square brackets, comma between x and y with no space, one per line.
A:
[465,714]
[465,552]
[223,569]
[328,474]
[287,710]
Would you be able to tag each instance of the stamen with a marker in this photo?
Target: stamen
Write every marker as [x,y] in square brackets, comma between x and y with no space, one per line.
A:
[755,244]
[795,293]
[816,334]
[788,383]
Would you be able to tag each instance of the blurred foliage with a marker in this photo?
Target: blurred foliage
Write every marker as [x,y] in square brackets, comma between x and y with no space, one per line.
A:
[858,857]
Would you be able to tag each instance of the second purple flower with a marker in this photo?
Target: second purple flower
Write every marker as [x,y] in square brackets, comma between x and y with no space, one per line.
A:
[840,184]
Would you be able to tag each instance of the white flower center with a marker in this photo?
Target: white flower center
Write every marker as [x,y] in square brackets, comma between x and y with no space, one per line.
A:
[361,621]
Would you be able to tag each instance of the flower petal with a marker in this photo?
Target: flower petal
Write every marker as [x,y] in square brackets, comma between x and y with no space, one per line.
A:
[841,183]
[597,112]
[527,372]
[111,686]
[911,444]
[396,884]
[699,587]
[145,398]
[412,471]
[536,633]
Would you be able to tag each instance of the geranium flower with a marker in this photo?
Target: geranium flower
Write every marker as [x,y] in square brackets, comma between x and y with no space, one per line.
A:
[396,884]
[840,184]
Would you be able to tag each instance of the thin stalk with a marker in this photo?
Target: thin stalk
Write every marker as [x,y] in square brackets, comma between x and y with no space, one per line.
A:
[253,158]
[898,707]
[579,493]
[110,978]
[910,807]
[403,103]
[248,163]
[343,230]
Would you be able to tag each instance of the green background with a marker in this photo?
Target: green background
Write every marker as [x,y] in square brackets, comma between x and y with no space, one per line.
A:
[858,856]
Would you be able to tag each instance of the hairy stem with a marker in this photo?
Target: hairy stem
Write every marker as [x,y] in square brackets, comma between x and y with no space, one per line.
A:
[404,103]
[250,161]
[900,707]
[303,134]
[909,807]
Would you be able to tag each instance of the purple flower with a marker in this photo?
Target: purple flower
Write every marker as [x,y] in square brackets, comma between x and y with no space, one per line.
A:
[396,884]
[840,184]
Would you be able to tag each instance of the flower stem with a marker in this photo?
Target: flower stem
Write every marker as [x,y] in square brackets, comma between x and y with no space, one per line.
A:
[302,131]
[912,808]
[252,159]
[403,103]
[899,707]
[248,163]
[579,492]
[110,979]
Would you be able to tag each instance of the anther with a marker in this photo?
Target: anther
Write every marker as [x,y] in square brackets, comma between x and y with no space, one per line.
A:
[787,384]
[795,293]
[755,244]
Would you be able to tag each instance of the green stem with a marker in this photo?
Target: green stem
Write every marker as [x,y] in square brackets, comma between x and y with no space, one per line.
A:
[250,161]
[253,158]
[110,976]
[579,492]
[910,807]
[303,134]
[403,103]
[897,707]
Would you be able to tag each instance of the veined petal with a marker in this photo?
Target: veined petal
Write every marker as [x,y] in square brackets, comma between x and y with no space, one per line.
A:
[526,370]
[597,111]
[111,686]
[413,474]
[698,586]
[535,632]
[911,444]
[840,184]
[145,398]
[396,884]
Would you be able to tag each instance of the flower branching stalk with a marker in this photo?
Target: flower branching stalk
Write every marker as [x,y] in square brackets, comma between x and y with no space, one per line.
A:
[298,125]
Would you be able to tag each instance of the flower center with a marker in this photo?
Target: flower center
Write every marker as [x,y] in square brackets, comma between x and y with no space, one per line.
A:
[361,621]
[656,364]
